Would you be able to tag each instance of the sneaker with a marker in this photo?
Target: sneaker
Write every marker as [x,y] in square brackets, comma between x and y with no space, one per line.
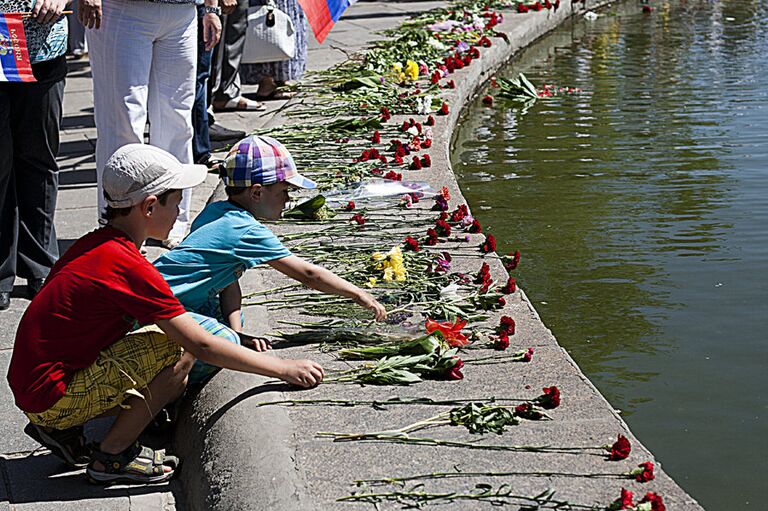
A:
[67,444]
[219,133]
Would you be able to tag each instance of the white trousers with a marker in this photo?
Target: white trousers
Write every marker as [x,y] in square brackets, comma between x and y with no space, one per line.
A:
[143,62]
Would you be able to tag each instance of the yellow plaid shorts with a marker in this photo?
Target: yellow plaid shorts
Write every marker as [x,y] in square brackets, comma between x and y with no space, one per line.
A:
[127,365]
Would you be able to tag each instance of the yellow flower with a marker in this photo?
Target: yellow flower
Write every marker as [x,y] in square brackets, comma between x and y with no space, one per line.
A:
[389,273]
[397,67]
[401,77]
[400,274]
[411,70]
[378,256]
[372,281]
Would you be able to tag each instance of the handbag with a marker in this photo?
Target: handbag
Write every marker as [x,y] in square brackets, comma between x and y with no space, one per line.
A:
[270,36]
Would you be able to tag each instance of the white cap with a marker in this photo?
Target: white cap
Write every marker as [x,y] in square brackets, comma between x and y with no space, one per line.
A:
[136,171]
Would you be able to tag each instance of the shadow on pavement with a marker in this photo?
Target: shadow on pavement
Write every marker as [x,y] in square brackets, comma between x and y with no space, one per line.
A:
[44,478]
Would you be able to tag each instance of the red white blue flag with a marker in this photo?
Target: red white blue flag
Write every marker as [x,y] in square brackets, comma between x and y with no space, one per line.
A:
[14,57]
[322,14]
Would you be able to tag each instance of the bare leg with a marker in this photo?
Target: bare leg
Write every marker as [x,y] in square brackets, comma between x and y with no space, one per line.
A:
[168,385]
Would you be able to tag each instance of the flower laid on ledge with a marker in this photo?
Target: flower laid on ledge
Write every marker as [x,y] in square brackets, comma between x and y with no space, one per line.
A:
[510,287]
[489,245]
[350,206]
[444,108]
[411,244]
[511,261]
[451,331]
[643,473]
[550,399]
[620,449]
[651,502]
[488,100]
[358,218]
[391,263]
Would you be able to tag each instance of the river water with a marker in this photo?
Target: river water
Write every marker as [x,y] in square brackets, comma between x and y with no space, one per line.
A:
[640,205]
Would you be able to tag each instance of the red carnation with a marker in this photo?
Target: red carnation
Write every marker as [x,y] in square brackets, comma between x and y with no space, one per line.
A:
[405,126]
[502,343]
[459,213]
[443,109]
[507,324]
[620,449]
[360,219]
[485,42]
[510,286]
[488,100]
[350,206]
[657,503]
[521,8]
[454,373]
[427,143]
[537,6]
[489,245]
[411,244]
[383,159]
[547,4]
[550,399]
[431,237]
[416,163]
[647,8]
[483,274]
[430,121]
[385,115]
[527,411]
[451,84]
[644,472]
[475,227]
[376,138]
[623,502]
[426,161]
[442,228]
[467,60]
[445,193]
[528,356]
[501,301]
[393,176]
[511,260]
[398,159]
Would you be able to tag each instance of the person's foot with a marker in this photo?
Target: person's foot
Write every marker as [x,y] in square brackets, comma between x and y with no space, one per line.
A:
[209,161]
[274,95]
[67,444]
[219,133]
[239,104]
[34,286]
[5,300]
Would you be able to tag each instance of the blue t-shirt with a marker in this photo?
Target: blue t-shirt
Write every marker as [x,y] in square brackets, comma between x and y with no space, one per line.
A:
[225,240]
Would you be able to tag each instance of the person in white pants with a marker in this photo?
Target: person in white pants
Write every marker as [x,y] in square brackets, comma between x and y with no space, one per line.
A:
[143,60]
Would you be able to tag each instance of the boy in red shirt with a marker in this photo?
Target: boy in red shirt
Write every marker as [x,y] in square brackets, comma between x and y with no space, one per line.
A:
[74,359]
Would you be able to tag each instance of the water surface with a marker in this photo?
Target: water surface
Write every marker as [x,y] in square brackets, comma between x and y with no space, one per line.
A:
[641,208]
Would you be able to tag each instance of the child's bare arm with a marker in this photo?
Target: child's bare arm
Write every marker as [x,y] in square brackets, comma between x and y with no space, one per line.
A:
[219,352]
[326,281]
[229,301]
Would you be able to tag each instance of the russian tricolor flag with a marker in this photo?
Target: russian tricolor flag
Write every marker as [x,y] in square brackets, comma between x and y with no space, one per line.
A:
[14,57]
[322,14]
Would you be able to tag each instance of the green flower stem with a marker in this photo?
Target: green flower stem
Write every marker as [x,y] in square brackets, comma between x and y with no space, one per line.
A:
[423,401]
[457,475]
[405,439]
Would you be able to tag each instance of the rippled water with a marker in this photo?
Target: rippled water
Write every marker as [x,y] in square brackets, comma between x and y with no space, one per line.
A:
[641,208]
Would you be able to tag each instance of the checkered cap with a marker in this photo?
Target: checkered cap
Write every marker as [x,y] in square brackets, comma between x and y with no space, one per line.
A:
[261,160]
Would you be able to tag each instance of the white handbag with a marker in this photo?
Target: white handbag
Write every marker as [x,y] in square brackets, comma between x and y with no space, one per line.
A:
[270,36]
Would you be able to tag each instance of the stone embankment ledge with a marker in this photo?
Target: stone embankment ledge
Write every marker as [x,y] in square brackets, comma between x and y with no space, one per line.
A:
[242,455]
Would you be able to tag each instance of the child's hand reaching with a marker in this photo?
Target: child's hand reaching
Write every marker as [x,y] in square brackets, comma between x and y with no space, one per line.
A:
[304,373]
[367,301]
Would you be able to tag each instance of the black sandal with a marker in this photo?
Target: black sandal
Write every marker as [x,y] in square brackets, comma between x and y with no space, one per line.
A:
[137,464]
[67,444]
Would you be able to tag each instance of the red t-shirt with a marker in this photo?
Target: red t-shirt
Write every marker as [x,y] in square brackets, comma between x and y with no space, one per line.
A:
[91,298]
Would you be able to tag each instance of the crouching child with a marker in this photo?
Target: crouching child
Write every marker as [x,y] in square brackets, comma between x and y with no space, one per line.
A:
[77,355]
[226,239]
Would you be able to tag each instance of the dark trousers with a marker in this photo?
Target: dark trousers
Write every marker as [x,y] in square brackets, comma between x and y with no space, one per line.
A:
[201,143]
[30,116]
[228,54]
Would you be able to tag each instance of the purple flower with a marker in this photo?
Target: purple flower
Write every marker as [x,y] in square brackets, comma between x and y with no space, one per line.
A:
[461,47]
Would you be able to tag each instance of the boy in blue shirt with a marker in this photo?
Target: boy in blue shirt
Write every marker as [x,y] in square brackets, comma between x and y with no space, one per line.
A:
[203,271]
